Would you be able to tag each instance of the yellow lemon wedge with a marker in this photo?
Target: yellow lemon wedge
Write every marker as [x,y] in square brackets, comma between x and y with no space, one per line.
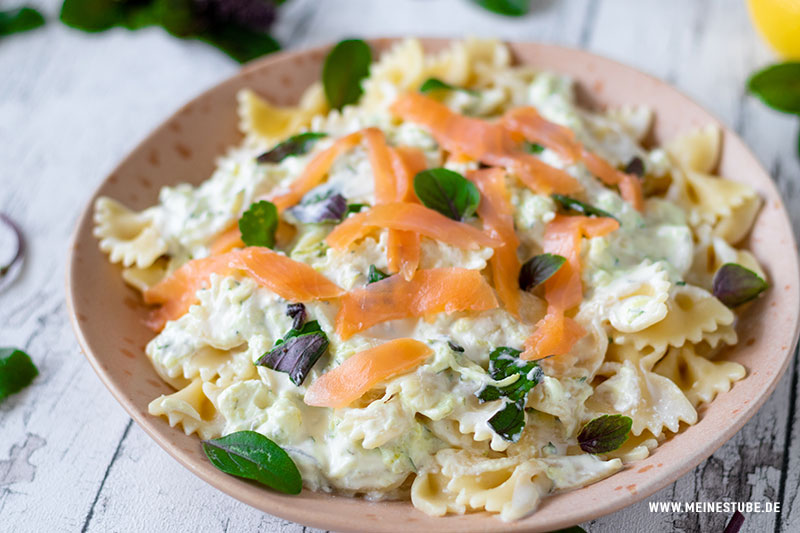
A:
[778,21]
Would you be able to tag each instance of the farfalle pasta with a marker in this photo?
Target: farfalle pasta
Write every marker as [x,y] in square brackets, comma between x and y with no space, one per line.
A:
[452,348]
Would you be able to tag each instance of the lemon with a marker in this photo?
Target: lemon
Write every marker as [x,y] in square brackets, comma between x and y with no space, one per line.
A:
[779,24]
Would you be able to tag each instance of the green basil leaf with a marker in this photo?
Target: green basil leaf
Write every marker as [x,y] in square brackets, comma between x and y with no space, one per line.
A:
[375,275]
[258,224]
[239,43]
[605,433]
[532,148]
[509,421]
[19,20]
[735,285]
[16,371]
[331,207]
[778,86]
[539,269]
[101,15]
[253,456]
[345,67]
[297,352]
[571,204]
[509,8]
[447,192]
[295,145]
[355,208]
[435,84]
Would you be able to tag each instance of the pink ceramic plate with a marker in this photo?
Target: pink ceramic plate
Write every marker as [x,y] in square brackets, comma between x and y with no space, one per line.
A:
[107,315]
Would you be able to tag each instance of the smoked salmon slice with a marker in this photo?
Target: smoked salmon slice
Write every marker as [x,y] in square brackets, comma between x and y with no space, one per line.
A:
[496,213]
[487,142]
[358,374]
[429,291]
[315,171]
[289,279]
[556,333]
[409,217]
[630,187]
[403,247]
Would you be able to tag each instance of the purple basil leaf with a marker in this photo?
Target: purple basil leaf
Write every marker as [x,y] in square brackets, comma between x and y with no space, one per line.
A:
[734,285]
[605,433]
[635,166]
[296,352]
[538,269]
[297,312]
[295,145]
[735,523]
[329,208]
[571,204]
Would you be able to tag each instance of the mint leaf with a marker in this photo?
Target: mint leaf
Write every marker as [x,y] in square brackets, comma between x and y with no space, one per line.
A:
[375,275]
[571,204]
[504,362]
[735,285]
[778,86]
[295,145]
[330,207]
[258,224]
[19,20]
[532,148]
[296,352]
[253,456]
[509,8]
[345,67]
[16,371]
[605,433]
[539,269]
[447,192]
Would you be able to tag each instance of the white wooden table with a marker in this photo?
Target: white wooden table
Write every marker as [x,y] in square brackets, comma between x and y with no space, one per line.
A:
[71,105]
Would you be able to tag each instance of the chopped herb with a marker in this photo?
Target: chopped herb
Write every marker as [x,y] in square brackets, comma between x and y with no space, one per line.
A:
[297,312]
[447,192]
[509,421]
[605,433]
[258,224]
[19,20]
[539,269]
[375,275]
[355,208]
[296,352]
[19,248]
[734,285]
[331,207]
[571,204]
[509,8]
[778,86]
[295,145]
[680,283]
[345,67]
[635,166]
[16,371]
[237,28]
[455,347]
[253,456]
[532,148]
[435,84]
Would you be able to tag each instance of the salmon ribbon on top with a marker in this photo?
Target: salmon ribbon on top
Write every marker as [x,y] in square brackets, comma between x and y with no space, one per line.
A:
[556,333]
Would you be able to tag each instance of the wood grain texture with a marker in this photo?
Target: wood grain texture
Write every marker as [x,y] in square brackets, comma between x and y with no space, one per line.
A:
[71,105]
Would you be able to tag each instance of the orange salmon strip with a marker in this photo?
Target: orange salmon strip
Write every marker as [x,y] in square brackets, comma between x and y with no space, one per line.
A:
[315,171]
[556,333]
[409,217]
[349,381]
[287,278]
[429,291]
[489,143]
[496,213]
[403,247]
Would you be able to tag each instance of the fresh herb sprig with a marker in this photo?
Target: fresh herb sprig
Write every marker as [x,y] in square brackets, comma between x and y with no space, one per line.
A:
[297,351]
[735,285]
[237,27]
[345,67]
[447,192]
[435,84]
[16,371]
[253,456]
[258,224]
[504,362]
[539,269]
[295,145]
[568,203]
[605,433]
[375,275]
[19,20]
[778,86]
